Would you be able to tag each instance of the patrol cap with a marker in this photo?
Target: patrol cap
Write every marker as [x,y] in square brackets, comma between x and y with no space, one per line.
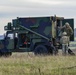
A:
[64,33]
[67,24]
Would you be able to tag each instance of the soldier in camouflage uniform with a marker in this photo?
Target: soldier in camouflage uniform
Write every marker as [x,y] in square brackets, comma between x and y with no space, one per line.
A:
[64,41]
[66,28]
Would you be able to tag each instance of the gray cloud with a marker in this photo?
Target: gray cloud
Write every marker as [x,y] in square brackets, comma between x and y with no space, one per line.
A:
[20,8]
[28,7]
[37,3]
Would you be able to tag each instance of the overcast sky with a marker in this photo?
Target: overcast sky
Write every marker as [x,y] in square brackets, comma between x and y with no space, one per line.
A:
[10,9]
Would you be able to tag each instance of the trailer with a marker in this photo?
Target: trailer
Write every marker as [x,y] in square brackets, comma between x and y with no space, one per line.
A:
[34,34]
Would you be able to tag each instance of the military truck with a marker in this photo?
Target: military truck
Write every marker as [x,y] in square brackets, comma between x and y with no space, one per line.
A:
[33,34]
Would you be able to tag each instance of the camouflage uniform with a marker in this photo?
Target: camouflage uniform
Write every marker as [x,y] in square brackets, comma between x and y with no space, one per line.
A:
[66,28]
[64,41]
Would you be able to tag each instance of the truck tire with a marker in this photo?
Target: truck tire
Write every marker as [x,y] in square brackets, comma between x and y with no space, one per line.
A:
[53,50]
[40,50]
[7,54]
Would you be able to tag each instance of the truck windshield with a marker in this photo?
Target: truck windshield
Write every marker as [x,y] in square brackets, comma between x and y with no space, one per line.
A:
[10,36]
[1,37]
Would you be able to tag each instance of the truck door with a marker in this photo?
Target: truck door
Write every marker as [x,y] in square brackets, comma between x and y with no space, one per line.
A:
[23,40]
[71,22]
[10,41]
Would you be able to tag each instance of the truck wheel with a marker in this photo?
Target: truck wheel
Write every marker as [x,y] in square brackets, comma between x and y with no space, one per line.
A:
[41,50]
[53,50]
[9,54]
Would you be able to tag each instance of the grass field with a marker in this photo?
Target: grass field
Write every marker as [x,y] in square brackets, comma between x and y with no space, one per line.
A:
[73,44]
[29,64]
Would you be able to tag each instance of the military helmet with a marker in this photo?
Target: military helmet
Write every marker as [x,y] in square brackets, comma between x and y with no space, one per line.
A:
[64,33]
[67,24]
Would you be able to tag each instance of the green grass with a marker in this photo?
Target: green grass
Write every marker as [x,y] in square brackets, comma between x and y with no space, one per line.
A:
[29,64]
[73,44]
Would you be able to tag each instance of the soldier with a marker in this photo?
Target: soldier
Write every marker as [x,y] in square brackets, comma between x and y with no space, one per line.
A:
[66,28]
[64,41]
